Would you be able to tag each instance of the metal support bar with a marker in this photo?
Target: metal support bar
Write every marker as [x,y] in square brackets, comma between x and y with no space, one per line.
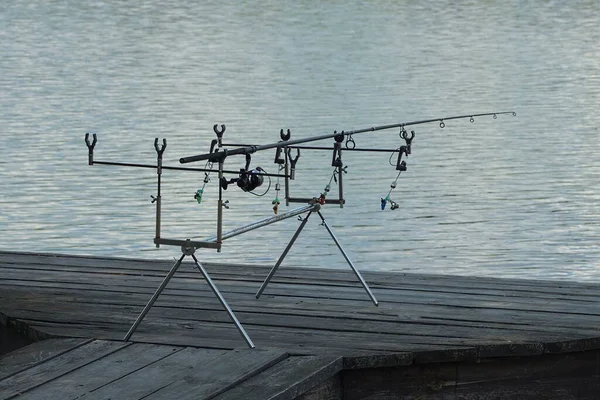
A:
[280,260]
[158,198]
[223,303]
[153,298]
[219,238]
[356,272]
[189,249]
[287,184]
[307,200]
[178,242]
[120,164]
[340,171]
[266,221]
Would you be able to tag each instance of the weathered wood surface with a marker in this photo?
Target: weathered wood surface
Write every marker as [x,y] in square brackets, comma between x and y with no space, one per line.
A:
[56,367]
[318,335]
[303,311]
[573,376]
[36,353]
[117,370]
[11,339]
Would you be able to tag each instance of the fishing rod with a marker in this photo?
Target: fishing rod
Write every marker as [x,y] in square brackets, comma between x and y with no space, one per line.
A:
[221,155]
[286,145]
[322,148]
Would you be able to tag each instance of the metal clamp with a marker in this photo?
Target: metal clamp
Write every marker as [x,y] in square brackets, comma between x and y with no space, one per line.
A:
[408,139]
[401,165]
[285,137]
[219,133]
[160,149]
[90,147]
[336,159]
[293,161]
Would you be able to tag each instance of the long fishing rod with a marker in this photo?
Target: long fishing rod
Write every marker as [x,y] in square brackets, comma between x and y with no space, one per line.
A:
[220,156]
[322,148]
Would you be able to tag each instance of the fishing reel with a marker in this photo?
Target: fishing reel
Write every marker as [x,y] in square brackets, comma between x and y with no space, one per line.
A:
[247,180]
[250,180]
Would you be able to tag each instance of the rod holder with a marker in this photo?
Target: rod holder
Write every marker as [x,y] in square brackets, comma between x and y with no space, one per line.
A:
[90,147]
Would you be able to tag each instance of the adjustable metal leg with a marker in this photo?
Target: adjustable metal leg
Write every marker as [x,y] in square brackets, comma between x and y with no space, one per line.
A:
[287,249]
[223,303]
[356,272]
[154,297]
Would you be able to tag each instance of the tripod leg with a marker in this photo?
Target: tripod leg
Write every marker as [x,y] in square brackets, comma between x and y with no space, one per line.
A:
[223,303]
[153,298]
[356,272]
[287,249]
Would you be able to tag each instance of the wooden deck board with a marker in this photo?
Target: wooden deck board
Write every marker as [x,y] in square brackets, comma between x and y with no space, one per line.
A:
[36,353]
[286,380]
[155,376]
[257,273]
[57,366]
[338,307]
[197,287]
[87,292]
[222,374]
[102,372]
[386,332]
[315,315]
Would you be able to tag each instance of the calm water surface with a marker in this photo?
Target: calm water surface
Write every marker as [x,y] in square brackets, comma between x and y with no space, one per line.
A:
[508,197]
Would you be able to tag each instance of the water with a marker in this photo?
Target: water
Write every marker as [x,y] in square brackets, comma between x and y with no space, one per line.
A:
[510,197]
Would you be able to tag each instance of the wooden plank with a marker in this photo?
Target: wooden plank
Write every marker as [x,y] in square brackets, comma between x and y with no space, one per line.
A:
[36,353]
[382,333]
[522,320]
[524,294]
[51,369]
[564,376]
[556,376]
[152,377]
[401,342]
[591,309]
[102,372]
[224,373]
[432,381]
[219,315]
[425,314]
[330,389]
[283,294]
[318,274]
[85,313]
[225,336]
[455,286]
[363,360]
[196,285]
[285,380]
[192,318]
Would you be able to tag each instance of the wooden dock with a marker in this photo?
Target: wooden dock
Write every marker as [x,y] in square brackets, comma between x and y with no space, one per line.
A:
[317,334]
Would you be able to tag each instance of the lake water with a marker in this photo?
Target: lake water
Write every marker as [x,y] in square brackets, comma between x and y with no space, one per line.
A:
[506,197]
